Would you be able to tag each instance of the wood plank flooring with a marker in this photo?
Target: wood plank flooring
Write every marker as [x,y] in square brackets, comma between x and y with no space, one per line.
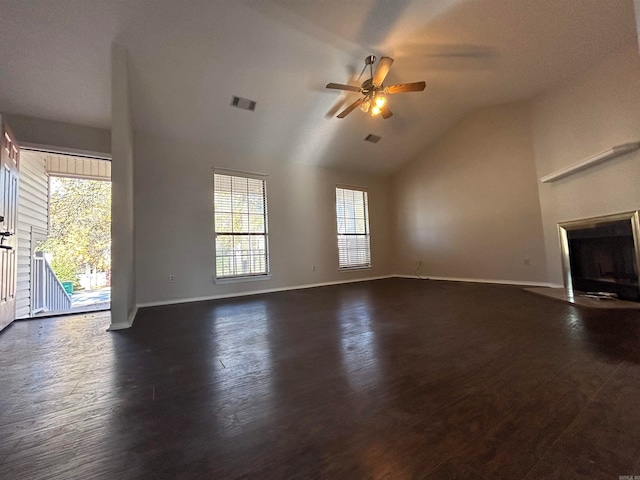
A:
[389,379]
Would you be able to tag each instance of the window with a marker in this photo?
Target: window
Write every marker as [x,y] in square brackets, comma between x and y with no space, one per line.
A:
[240,218]
[352,213]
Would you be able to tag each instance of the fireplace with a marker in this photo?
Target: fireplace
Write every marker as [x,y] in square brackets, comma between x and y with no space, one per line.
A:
[602,255]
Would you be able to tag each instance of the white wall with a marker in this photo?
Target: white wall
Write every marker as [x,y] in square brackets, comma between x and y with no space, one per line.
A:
[123,280]
[174,224]
[597,111]
[59,134]
[468,206]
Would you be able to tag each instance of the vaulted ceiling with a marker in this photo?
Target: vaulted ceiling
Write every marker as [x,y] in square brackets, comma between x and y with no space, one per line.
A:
[189,57]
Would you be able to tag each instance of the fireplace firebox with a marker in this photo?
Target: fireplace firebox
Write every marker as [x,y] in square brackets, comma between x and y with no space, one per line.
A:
[602,255]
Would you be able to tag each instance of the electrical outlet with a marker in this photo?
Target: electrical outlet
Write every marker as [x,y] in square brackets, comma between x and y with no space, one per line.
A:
[172,279]
[313,268]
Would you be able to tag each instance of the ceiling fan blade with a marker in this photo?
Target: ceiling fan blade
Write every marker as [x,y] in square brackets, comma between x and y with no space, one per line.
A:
[381,72]
[339,86]
[350,108]
[386,113]
[405,87]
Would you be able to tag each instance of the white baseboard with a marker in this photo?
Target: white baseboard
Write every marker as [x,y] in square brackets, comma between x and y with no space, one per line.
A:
[550,285]
[130,320]
[118,326]
[256,292]
[132,315]
[524,283]
[124,325]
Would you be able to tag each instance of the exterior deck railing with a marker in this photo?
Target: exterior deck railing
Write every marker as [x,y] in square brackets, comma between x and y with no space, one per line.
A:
[48,293]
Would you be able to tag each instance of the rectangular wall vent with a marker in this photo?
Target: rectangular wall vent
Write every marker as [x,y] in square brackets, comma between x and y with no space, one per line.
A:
[243,103]
[372,138]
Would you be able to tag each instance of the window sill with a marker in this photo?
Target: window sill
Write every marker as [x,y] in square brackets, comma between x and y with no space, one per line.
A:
[252,278]
[351,269]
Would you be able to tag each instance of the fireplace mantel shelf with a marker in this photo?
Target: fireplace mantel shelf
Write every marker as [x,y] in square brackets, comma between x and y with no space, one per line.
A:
[591,161]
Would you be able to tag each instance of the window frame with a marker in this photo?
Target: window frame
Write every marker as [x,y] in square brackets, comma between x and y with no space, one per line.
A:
[367,233]
[235,278]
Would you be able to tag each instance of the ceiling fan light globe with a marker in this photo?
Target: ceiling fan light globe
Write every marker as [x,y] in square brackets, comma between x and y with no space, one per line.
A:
[364,106]
[380,101]
[375,110]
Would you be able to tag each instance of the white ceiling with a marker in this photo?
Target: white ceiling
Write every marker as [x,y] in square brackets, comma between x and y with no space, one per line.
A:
[189,57]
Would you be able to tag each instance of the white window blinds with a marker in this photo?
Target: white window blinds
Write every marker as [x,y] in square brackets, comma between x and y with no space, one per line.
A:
[240,218]
[352,214]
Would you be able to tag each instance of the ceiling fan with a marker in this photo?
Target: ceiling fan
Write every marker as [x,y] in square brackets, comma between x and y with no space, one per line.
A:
[373,90]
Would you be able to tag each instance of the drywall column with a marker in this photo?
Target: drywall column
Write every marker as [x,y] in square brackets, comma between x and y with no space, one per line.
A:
[123,301]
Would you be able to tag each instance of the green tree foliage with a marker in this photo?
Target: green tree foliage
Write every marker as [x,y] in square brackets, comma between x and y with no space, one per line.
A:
[66,270]
[80,226]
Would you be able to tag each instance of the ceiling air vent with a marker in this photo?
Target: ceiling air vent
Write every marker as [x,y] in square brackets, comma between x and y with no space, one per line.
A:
[243,103]
[372,138]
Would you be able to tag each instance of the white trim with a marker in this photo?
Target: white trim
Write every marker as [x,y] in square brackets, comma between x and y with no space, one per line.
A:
[354,269]
[124,325]
[344,186]
[242,173]
[257,292]
[75,152]
[118,326]
[484,280]
[613,152]
[80,176]
[132,315]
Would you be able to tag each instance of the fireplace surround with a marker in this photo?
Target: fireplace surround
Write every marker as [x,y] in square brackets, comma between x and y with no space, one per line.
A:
[602,255]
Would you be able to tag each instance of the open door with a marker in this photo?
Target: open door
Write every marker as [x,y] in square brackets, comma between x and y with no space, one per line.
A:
[9,161]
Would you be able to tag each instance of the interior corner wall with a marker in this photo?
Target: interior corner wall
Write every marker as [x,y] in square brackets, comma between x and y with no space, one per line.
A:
[597,111]
[468,207]
[59,134]
[174,222]
[123,281]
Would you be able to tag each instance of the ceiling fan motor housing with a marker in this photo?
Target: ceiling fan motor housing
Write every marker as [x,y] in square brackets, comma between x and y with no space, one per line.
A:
[367,85]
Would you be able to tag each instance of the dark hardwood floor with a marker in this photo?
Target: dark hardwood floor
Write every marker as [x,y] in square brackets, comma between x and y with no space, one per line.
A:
[390,379]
